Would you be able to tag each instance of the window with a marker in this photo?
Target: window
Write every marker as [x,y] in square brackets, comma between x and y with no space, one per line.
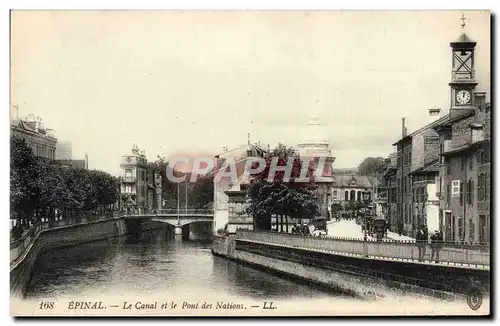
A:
[470,192]
[481,187]
[483,229]
[479,156]
[346,196]
[335,194]
[422,194]
[461,193]
[352,195]
[128,189]
[359,195]
[460,228]
[128,173]
[487,155]
[471,231]
[462,163]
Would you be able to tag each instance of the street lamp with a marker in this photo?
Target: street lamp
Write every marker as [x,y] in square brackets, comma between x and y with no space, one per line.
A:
[178,205]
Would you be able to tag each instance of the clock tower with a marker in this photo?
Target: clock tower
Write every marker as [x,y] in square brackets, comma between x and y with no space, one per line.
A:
[463,82]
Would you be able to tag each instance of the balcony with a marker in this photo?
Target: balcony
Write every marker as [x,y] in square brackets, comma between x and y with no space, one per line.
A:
[129,179]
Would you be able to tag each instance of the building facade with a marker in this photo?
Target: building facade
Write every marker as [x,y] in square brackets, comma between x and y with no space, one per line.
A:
[41,140]
[348,189]
[444,167]
[425,202]
[224,188]
[134,182]
[464,181]
[415,151]
[390,181]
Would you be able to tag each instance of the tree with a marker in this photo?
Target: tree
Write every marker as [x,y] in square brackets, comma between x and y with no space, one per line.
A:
[39,186]
[280,197]
[24,180]
[202,191]
[372,166]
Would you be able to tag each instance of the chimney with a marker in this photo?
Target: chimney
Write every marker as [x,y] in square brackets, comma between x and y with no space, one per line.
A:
[434,114]
[480,100]
[86,161]
[403,128]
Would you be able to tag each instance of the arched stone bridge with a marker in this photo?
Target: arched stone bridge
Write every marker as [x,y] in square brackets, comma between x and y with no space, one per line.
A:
[175,218]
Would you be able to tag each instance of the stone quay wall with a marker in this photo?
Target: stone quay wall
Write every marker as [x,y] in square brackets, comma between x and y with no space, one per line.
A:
[59,237]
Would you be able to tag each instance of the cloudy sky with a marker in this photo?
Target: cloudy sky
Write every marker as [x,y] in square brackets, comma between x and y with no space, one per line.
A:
[192,82]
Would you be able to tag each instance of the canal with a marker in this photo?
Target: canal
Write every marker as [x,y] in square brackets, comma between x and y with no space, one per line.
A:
[158,265]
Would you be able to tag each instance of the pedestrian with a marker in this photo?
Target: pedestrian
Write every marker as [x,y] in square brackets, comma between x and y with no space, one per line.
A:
[421,239]
[400,228]
[306,230]
[436,244]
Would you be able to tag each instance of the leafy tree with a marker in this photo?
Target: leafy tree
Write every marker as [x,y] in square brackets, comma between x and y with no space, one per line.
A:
[39,186]
[202,191]
[372,165]
[280,197]
[24,180]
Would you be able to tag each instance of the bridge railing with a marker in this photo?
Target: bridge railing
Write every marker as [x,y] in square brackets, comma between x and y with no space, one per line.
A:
[182,212]
[407,251]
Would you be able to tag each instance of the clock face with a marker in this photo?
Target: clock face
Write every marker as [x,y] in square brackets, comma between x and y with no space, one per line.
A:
[463,97]
[129,159]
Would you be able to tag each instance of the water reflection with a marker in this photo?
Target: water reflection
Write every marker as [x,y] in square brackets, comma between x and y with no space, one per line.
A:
[152,263]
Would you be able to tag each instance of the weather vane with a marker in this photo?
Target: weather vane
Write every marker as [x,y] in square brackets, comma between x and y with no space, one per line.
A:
[463,19]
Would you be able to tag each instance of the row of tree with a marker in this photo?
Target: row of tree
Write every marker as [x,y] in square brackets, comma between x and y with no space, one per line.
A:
[39,187]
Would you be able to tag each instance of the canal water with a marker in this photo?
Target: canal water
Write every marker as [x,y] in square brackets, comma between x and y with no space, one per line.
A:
[158,265]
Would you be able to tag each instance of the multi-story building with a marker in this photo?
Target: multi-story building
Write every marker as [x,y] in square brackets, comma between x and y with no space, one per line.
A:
[425,203]
[41,140]
[390,182]
[347,189]
[464,182]
[353,187]
[228,213]
[64,150]
[415,152]
[134,184]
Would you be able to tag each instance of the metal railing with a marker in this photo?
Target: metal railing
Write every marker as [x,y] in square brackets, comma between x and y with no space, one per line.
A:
[19,246]
[190,212]
[394,250]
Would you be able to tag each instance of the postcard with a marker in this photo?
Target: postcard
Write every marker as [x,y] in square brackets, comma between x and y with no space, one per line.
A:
[250,163]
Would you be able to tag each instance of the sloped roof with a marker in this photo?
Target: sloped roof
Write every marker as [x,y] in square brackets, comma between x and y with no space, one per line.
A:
[352,181]
[428,168]
[431,125]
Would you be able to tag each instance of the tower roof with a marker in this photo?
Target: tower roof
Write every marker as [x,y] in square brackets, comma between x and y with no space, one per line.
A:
[463,42]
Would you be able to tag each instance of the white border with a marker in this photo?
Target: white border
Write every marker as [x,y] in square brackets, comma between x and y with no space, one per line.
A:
[186,4]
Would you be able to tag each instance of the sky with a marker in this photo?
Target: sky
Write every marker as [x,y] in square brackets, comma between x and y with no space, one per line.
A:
[191,82]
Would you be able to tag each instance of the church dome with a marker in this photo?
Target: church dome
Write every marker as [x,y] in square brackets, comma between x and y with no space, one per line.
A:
[314,134]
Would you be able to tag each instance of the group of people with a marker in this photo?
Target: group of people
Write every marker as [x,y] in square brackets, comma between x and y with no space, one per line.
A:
[422,239]
[301,229]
